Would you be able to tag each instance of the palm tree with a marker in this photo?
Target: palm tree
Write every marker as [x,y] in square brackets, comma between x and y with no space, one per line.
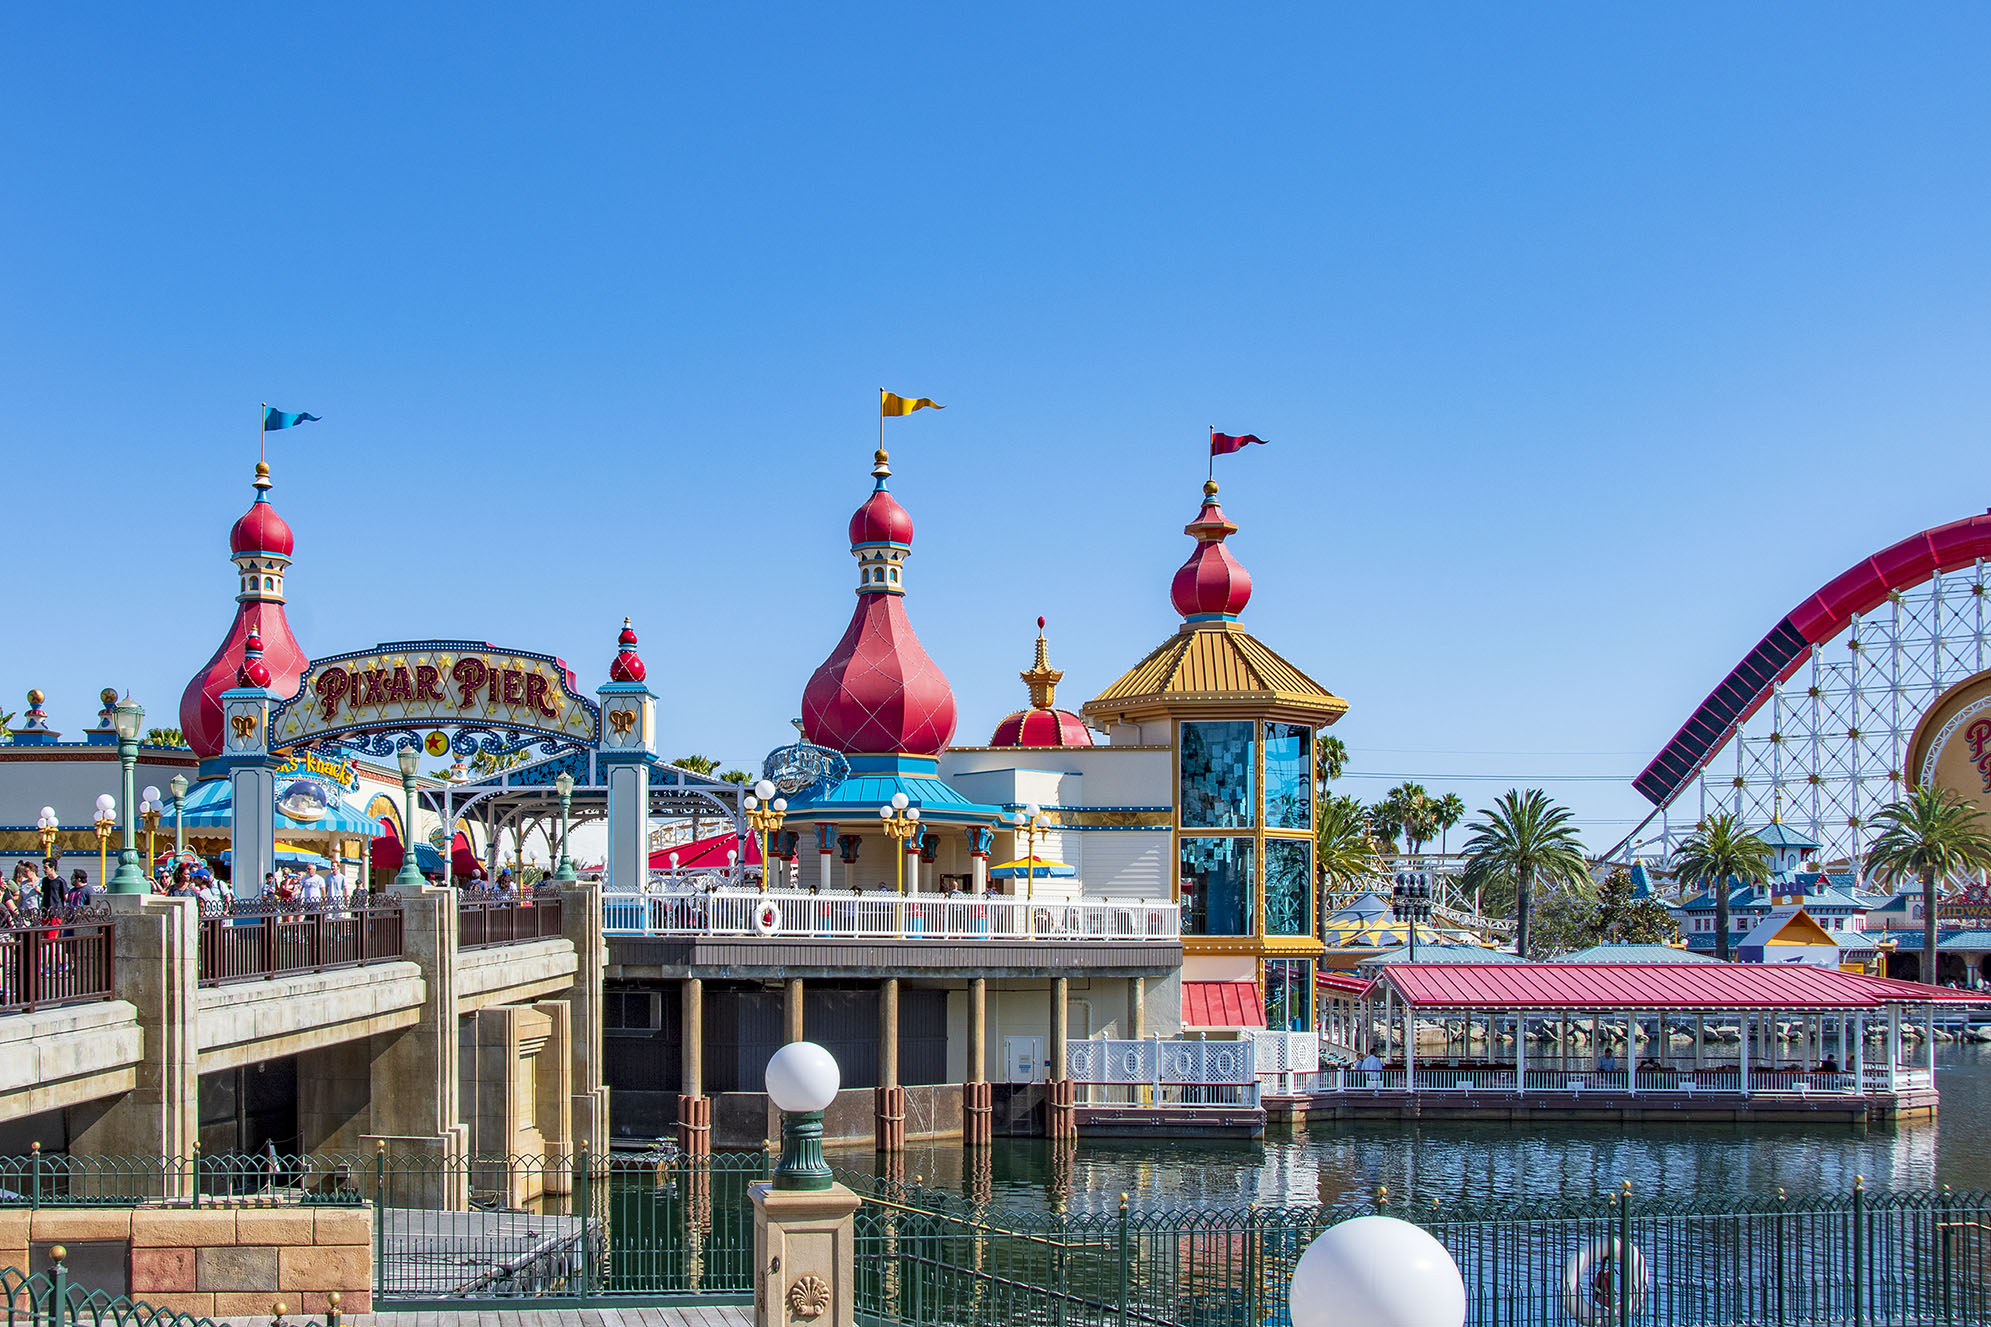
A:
[1933,833]
[1446,812]
[1522,839]
[1330,759]
[1720,854]
[696,764]
[1344,852]
[1409,810]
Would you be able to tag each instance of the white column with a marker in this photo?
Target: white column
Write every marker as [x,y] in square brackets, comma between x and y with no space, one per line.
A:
[912,865]
[1520,1054]
[1631,1054]
[1893,1047]
[1409,1047]
[1929,1040]
[1743,1076]
[1859,1053]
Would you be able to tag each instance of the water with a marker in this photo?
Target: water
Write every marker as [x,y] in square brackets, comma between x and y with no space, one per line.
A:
[1341,1164]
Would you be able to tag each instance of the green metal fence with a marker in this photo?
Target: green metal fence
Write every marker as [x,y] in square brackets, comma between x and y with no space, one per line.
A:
[51,1299]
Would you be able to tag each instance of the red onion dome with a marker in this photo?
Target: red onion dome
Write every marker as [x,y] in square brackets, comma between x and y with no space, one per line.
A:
[879,692]
[881,520]
[1211,583]
[261,530]
[628,665]
[283,660]
[253,672]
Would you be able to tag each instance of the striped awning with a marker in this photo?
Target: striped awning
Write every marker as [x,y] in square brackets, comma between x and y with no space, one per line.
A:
[210,806]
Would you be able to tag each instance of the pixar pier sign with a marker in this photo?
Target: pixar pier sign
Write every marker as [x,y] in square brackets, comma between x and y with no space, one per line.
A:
[408,686]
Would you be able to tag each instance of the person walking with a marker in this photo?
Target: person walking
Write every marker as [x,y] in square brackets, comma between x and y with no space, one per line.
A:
[52,891]
[311,889]
[336,888]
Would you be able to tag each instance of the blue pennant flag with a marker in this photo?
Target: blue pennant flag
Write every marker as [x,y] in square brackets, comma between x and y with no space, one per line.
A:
[283,419]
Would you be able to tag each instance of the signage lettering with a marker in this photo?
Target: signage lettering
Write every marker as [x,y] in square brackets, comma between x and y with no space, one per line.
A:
[1978,735]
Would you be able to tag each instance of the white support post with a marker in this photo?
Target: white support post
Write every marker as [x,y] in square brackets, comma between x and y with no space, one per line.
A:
[1893,1047]
[1859,1054]
[1409,1047]
[1631,1054]
[1520,1054]
[1743,1075]
[1929,1040]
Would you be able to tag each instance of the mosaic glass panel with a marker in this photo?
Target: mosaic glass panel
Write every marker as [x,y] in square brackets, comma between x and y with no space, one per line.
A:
[1289,776]
[1288,887]
[1217,762]
[1289,994]
[1216,886]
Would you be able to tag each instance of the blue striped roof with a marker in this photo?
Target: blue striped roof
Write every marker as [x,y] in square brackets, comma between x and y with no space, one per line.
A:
[859,797]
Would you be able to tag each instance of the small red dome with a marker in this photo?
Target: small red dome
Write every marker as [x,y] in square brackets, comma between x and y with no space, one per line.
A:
[1211,582]
[1036,727]
[628,665]
[261,530]
[253,672]
[881,520]
[879,692]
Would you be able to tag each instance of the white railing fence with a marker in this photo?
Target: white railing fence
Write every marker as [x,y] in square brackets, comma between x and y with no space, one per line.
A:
[798,914]
[1282,1055]
[1354,1080]
[1161,1072]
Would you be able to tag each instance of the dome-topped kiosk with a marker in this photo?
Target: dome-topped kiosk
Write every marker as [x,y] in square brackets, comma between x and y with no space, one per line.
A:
[260,544]
[1240,722]
[1043,724]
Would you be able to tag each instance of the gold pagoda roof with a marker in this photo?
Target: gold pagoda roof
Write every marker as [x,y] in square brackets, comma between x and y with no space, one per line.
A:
[1216,667]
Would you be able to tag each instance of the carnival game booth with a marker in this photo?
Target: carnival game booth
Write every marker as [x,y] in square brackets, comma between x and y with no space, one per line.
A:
[309,817]
[1613,1041]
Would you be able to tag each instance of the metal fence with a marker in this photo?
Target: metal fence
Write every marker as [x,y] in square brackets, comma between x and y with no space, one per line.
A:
[839,914]
[51,1299]
[252,941]
[60,960]
[506,920]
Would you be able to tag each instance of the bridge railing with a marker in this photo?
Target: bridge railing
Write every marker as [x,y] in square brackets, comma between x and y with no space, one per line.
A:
[257,941]
[506,919]
[60,960]
[799,914]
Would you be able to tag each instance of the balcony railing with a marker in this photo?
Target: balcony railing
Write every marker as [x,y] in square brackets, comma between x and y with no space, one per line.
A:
[499,919]
[1161,1072]
[63,960]
[1726,1081]
[795,914]
[256,941]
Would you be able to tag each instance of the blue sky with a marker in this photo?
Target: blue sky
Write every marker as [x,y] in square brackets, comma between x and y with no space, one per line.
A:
[1589,340]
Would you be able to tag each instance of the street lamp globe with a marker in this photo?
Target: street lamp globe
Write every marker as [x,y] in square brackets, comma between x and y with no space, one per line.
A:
[178,783]
[912,813]
[803,1077]
[151,794]
[107,805]
[128,717]
[1033,811]
[765,790]
[900,801]
[781,805]
[563,784]
[884,813]
[1380,1272]
[409,759]
[48,814]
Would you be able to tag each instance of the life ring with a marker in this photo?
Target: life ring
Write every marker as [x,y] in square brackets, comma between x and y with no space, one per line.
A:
[767,917]
[1590,1283]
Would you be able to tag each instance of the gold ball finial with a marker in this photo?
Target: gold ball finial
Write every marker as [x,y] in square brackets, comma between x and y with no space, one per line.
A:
[35,696]
[58,1253]
[333,1299]
[1209,488]
[262,469]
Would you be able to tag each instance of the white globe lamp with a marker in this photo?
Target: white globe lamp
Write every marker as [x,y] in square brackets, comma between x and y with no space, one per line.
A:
[1377,1271]
[802,1081]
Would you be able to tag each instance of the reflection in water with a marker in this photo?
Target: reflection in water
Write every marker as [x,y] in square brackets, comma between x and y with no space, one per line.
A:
[1341,1165]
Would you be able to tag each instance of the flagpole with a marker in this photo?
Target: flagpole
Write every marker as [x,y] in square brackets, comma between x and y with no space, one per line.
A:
[1213,453]
[881,419]
[262,432]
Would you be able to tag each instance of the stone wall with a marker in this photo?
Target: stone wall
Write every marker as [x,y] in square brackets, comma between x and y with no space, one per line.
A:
[218,1262]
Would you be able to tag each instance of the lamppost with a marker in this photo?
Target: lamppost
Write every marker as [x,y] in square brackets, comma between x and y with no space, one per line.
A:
[802,1082]
[764,815]
[1410,901]
[46,824]
[106,821]
[128,717]
[901,821]
[178,784]
[563,783]
[1027,820]
[148,811]
[410,875]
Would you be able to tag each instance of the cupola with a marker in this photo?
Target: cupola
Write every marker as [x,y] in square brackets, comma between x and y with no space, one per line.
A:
[1043,724]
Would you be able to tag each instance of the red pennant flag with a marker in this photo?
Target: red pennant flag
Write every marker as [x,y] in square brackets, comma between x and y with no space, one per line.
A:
[1223,444]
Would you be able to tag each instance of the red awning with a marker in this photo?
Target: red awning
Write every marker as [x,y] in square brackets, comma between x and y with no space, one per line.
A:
[1343,983]
[1222,1004]
[1652,986]
[707,854]
[462,861]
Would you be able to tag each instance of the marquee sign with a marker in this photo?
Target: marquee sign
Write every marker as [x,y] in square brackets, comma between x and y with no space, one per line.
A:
[309,764]
[495,701]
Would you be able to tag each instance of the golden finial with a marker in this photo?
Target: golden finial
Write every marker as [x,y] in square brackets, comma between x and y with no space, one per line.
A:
[1209,488]
[1041,678]
[262,474]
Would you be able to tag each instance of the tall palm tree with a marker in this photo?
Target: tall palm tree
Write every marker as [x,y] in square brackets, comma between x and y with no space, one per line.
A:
[1932,833]
[1446,812]
[1344,851]
[1330,759]
[1411,811]
[1720,853]
[1522,839]
[696,764]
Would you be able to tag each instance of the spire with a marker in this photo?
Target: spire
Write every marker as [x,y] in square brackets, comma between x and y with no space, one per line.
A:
[628,665]
[1040,677]
[253,671]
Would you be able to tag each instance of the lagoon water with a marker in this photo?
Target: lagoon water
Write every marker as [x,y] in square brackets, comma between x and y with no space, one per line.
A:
[1341,1165]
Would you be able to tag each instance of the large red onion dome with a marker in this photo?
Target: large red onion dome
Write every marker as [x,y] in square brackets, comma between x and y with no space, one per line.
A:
[628,665]
[879,693]
[1211,583]
[260,529]
[261,545]
[1043,724]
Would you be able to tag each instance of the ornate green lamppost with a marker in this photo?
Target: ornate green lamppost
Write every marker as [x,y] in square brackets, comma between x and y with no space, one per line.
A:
[410,875]
[802,1082]
[564,785]
[178,784]
[128,717]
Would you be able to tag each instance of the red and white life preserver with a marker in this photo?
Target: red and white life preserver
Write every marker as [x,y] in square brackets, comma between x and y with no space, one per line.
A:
[767,917]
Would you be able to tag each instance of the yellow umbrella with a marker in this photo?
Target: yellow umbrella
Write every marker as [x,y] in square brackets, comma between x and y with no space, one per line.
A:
[1033,866]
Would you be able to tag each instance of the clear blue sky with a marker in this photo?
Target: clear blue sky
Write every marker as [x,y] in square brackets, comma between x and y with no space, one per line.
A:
[1589,339]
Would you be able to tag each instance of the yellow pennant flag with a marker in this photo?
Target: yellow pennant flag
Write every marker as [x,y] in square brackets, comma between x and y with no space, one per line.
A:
[891,403]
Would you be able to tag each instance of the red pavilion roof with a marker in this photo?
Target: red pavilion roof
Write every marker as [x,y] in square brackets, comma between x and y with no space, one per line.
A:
[1652,986]
[1222,1004]
[1036,727]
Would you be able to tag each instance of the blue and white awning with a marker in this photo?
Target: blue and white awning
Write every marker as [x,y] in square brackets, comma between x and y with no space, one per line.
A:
[210,806]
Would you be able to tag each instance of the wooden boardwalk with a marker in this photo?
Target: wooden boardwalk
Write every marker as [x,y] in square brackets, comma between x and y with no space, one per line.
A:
[725,1315]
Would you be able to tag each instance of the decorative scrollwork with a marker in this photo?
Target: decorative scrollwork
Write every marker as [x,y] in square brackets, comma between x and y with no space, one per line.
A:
[465,742]
[809,1296]
[804,768]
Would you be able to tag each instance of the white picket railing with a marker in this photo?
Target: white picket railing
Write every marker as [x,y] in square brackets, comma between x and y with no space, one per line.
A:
[1354,1080]
[1162,1072]
[797,914]
[1281,1056]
